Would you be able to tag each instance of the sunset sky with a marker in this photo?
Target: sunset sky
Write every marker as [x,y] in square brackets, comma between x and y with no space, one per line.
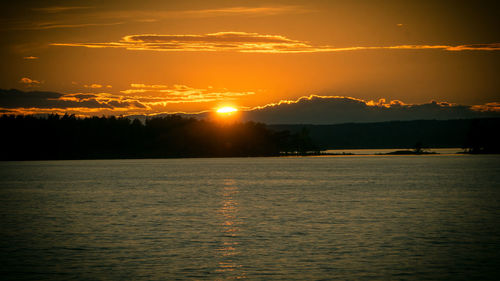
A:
[148,57]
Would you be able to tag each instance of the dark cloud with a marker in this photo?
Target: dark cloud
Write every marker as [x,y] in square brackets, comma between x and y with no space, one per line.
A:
[39,99]
[305,110]
[83,96]
[334,110]
[125,104]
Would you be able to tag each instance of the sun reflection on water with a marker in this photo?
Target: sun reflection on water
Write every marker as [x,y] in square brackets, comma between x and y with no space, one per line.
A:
[228,266]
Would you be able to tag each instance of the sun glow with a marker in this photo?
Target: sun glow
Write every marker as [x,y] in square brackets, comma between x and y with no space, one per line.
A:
[227,109]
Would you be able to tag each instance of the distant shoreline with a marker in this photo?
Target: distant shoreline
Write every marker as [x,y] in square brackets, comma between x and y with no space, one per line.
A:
[394,153]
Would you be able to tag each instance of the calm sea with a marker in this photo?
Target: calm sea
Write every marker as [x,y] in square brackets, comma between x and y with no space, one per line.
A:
[434,217]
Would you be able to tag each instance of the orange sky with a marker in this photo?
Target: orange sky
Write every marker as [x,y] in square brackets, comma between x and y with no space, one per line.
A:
[136,57]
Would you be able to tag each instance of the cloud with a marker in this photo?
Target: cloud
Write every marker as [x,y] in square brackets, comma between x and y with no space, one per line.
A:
[146,16]
[221,41]
[93,86]
[238,11]
[28,82]
[475,47]
[30,58]
[54,25]
[89,17]
[60,9]
[153,95]
[16,99]
[148,100]
[97,86]
[338,109]
[488,107]
[144,86]
[251,43]
[157,15]
[141,98]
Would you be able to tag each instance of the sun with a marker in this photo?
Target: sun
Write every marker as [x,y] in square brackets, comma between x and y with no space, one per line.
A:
[226,115]
[226,109]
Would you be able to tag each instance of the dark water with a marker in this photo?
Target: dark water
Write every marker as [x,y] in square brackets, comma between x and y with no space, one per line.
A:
[313,218]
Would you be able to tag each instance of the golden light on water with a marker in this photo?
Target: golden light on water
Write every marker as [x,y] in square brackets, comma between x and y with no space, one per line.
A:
[229,254]
[227,109]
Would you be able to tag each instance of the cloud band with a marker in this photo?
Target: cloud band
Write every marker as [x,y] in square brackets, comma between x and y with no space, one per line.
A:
[251,43]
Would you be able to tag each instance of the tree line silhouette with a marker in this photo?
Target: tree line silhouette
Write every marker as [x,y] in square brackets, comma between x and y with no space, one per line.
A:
[68,137]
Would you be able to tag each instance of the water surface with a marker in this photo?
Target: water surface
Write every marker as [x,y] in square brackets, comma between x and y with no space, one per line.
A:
[290,218]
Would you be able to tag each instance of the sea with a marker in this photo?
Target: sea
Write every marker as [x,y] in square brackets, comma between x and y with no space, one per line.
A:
[353,217]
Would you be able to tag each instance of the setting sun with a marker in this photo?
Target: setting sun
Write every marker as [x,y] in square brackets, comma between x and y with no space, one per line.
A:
[227,109]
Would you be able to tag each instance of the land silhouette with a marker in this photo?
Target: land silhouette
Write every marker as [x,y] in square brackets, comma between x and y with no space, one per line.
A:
[473,135]
[68,137]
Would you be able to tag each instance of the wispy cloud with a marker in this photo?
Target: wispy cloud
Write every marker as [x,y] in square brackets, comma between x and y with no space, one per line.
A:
[30,58]
[56,25]
[251,43]
[60,9]
[475,47]
[57,17]
[221,41]
[157,15]
[259,11]
[144,86]
[152,95]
